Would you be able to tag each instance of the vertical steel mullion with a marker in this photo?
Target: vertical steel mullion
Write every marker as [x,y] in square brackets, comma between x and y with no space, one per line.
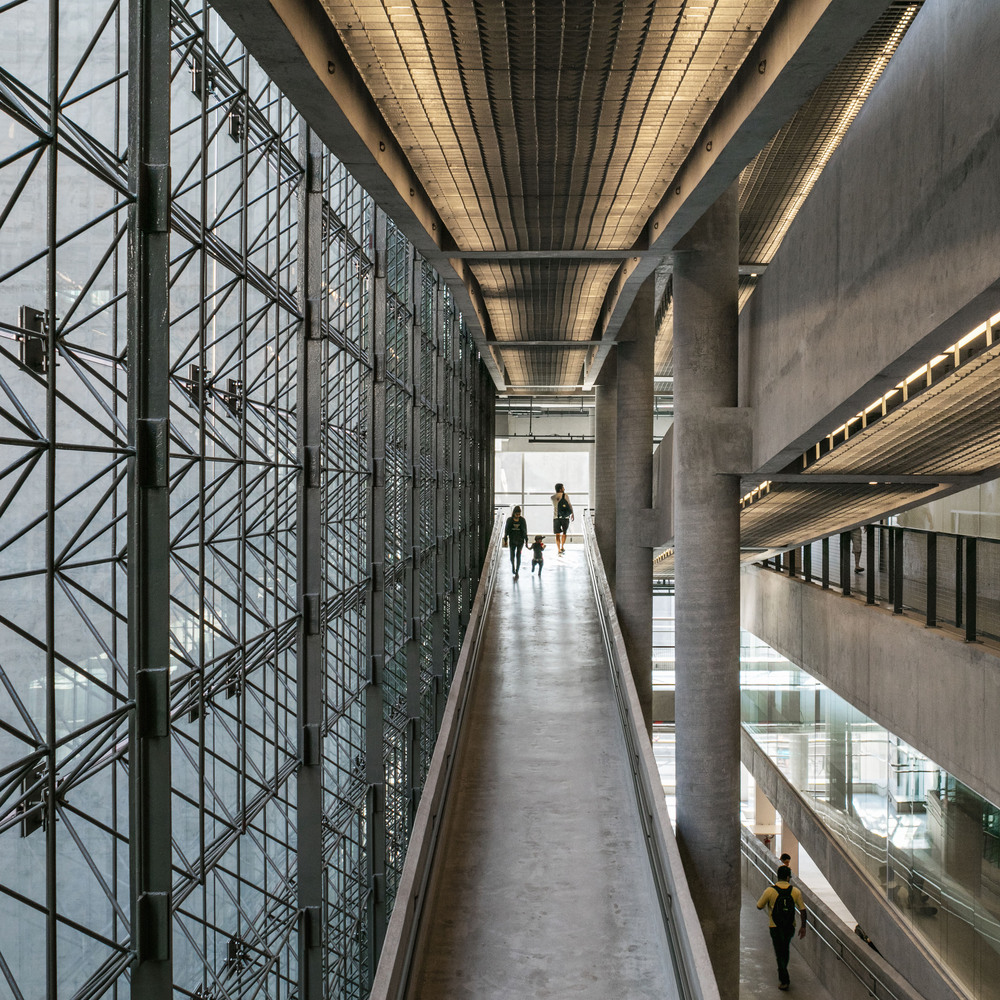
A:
[931,579]
[454,583]
[51,471]
[825,559]
[467,496]
[202,467]
[415,764]
[439,508]
[374,695]
[310,556]
[807,563]
[845,563]
[148,520]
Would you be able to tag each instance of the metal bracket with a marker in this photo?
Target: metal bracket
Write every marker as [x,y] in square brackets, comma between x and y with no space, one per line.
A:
[312,926]
[151,450]
[311,463]
[311,744]
[153,197]
[153,926]
[314,319]
[311,613]
[152,695]
[375,662]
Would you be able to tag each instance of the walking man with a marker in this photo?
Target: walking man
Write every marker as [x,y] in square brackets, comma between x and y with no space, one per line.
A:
[782,900]
[562,514]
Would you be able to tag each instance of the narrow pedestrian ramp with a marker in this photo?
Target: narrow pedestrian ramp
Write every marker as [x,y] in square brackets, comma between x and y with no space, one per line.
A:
[541,884]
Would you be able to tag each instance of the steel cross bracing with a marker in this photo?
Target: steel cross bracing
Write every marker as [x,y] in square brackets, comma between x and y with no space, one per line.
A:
[244,474]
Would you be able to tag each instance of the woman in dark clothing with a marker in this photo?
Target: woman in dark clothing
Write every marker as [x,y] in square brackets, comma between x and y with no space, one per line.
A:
[515,534]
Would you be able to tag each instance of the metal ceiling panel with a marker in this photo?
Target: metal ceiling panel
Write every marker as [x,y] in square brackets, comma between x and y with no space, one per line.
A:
[554,126]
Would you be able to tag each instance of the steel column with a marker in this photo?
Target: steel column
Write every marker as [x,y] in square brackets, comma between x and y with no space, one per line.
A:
[148,509]
[374,697]
[415,765]
[309,541]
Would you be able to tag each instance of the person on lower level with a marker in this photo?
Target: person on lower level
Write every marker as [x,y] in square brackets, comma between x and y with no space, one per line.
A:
[782,900]
[515,534]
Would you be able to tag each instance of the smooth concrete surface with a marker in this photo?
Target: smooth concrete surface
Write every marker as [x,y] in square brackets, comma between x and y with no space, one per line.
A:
[541,885]
[707,584]
[926,685]
[894,254]
[632,581]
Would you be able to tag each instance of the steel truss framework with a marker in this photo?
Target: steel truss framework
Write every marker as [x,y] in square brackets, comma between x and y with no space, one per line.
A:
[245,492]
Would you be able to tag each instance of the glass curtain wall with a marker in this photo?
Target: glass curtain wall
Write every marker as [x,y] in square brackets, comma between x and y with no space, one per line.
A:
[322,458]
[926,841]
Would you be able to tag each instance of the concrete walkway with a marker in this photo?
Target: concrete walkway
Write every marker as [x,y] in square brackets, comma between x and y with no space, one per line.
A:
[758,968]
[541,886]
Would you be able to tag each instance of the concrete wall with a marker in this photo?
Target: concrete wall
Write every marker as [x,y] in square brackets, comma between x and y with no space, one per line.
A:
[896,252]
[929,687]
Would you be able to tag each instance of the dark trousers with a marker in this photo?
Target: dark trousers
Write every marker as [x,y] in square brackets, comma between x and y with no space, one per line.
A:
[515,555]
[782,939]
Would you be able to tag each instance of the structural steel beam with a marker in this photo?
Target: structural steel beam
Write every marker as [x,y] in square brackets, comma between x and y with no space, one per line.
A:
[309,538]
[148,507]
[374,693]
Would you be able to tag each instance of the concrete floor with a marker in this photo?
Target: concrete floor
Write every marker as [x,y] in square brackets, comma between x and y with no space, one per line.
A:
[758,969]
[542,886]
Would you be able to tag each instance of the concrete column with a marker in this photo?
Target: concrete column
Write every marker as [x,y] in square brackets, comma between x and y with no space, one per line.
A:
[764,820]
[790,846]
[707,540]
[604,472]
[634,493]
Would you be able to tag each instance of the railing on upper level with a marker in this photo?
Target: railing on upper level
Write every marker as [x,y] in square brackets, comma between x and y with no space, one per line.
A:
[944,578]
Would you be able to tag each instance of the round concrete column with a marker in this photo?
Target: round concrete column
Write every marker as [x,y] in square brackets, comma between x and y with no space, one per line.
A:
[634,493]
[707,540]
[605,446]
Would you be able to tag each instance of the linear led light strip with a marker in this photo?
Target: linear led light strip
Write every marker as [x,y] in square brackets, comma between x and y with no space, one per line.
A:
[927,375]
[923,378]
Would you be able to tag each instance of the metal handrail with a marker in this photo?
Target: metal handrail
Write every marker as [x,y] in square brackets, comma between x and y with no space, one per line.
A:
[396,960]
[943,577]
[873,979]
[692,965]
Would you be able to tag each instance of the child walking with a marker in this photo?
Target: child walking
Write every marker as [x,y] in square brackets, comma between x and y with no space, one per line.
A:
[536,553]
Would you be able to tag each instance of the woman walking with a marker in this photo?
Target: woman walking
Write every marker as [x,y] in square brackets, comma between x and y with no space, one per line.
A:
[515,534]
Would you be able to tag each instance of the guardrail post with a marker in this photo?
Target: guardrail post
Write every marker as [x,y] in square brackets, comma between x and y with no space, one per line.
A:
[845,563]
[970,590]
[825,549]
[807,563]
[931,579]
[897,562]
[959,580]
[870,563]
[791,563]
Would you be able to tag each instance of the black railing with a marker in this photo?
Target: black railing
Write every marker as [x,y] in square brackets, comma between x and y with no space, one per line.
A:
[944,578]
